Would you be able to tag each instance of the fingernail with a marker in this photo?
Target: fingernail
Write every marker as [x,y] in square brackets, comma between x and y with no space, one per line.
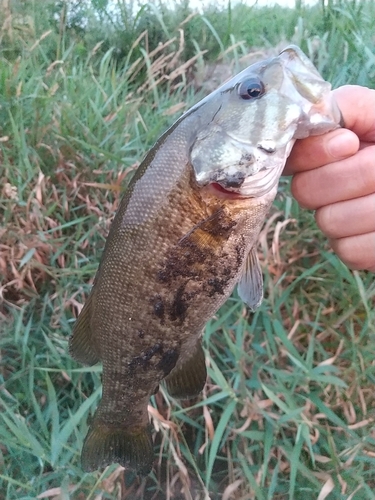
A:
[345,143]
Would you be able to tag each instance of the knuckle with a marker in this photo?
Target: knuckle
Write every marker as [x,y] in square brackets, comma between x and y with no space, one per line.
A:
[365,171]
[344,249]
[299,191]
[354,251]
[326,222]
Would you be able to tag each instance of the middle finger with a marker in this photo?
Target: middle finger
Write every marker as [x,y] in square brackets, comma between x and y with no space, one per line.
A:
[343,180]
[347,218]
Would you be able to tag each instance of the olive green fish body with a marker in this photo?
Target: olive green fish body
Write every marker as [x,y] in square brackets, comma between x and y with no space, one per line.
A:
[184,235]
[148,308]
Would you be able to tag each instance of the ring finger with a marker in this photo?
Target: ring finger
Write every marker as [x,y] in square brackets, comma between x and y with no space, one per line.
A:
[357,252]
[347,218]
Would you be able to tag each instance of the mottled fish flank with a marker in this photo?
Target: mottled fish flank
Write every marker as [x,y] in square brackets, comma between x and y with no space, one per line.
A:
[184,235]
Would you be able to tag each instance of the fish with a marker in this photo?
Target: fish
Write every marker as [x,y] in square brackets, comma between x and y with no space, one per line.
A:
[184,235]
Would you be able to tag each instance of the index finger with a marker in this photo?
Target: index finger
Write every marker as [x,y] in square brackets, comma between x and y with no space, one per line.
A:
[315,151]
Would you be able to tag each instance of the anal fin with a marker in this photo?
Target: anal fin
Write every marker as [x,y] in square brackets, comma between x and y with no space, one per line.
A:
[250,286]
[188,377]
[81,343]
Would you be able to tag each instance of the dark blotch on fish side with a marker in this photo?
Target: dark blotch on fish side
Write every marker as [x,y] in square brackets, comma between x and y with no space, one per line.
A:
[141,334]
[189,259]
[158,306]
[182,262]
[162,276]
[217,286]
[227,271]
[144,359]
[168,361]
[245,160]
[240,251]
[179,305]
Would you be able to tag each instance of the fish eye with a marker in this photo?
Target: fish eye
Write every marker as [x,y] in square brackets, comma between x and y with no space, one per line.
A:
[252,88]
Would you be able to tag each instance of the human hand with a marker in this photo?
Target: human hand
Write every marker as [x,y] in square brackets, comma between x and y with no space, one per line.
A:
[334,174]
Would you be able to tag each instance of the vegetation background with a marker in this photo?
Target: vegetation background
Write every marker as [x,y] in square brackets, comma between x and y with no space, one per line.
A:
[85,90]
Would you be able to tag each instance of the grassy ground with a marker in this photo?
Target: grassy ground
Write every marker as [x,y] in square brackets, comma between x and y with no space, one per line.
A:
[288,410]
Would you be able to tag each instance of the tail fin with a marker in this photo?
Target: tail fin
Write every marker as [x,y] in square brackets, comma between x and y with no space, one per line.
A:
[130,447]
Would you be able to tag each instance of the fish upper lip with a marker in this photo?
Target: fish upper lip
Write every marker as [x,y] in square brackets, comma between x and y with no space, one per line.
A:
[240,141]
[263,147]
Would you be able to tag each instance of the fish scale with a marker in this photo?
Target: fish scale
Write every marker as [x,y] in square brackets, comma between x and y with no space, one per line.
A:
[184,235]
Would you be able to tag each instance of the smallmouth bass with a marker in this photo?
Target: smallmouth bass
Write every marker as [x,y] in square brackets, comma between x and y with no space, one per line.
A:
[184,235]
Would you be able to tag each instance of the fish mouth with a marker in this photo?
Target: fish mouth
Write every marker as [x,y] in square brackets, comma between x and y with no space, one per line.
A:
[262,182]
[245,172]
[252,186]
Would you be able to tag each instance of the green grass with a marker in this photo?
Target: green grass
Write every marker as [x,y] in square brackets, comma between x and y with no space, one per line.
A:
[288,410]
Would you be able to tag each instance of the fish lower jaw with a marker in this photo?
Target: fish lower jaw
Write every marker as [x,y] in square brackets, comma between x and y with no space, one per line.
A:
[261,183]
[219,191]
[254,186]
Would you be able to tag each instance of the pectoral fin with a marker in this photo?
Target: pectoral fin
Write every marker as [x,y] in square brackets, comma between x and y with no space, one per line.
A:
[250,286]
[187,379]
[81,343]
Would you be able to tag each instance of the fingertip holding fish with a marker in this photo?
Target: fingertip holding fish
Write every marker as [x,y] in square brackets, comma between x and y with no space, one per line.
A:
[341,145]
[184,236]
